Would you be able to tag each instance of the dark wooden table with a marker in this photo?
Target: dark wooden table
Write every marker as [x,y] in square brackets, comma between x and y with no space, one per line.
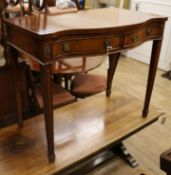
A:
[85,137]
[165,161]
[47,39]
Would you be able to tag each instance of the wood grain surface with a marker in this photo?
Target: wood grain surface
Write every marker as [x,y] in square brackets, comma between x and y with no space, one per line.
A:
[93,19]
[81,129]
[147,145]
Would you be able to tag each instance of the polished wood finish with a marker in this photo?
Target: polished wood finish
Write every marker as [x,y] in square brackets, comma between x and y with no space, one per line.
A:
[84,85]
[100,159]
[113,61]
[69,66]
[150,143]
[117,19]
[152,73]
[151,30]
[46,77]
[12,54]
[79,45]
[8,110]
[83,28]
[143,172]
[61,97]
[165,161]
[80,128]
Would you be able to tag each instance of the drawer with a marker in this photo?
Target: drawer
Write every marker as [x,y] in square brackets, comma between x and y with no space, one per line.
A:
[146,33]
[154,30]
[133,39]
[92,45]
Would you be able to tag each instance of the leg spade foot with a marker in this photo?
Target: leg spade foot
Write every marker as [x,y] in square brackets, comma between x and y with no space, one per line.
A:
[122,151]
[51,158]
[108,92]
[145,113]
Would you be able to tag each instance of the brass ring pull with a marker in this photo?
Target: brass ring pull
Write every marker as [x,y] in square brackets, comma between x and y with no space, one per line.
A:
[108,45]
[134,38]
[66,47]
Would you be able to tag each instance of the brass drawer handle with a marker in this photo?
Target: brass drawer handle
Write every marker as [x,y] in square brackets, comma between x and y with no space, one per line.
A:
[108,45]
[134,38]
[149,31]
[66,47]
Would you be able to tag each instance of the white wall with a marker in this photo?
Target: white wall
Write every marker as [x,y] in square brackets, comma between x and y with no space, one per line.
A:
[143,52]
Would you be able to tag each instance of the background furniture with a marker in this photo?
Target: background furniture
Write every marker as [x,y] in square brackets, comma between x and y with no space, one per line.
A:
[33,93]
[8,109]
[115,3]
[84,85]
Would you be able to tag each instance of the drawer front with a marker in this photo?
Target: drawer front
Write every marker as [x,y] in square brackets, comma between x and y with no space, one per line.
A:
[133,39]
[146,33]
[154,30]
[88,45]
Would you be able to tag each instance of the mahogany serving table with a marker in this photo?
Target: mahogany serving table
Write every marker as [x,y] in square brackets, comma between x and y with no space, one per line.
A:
[92,32]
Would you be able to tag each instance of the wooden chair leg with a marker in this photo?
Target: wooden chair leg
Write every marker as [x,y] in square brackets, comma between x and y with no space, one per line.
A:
[13,57]
[32,89]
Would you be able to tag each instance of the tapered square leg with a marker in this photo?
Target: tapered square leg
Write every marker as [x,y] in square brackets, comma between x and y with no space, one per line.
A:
[46,84]
[113,62]
[152,74]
